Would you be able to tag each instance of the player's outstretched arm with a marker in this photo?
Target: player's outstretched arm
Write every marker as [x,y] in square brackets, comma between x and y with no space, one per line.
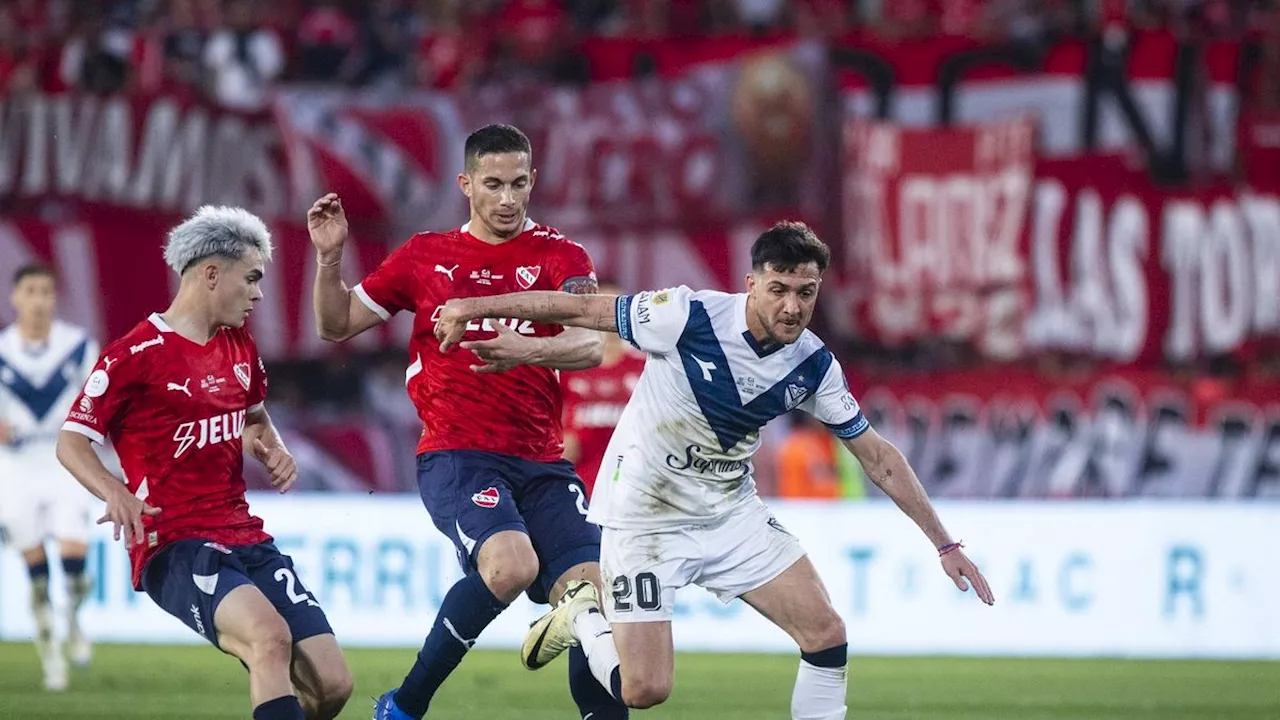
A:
[124,510]
[885,464]
[595,312]
[262,441]
[340,314]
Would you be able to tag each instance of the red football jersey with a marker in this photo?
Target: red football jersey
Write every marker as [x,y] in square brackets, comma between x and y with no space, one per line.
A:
[593,402]
[175,411]
[513,413]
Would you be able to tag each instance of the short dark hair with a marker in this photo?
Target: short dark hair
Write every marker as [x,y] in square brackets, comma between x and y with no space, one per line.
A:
[492,139]
[33,270]
[788,245]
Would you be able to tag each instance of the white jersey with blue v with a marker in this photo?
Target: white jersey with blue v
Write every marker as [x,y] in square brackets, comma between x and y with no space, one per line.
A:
[683,447]
[39,381]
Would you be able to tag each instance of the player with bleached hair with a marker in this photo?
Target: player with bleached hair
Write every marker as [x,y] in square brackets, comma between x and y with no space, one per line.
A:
[182,395]
[43,362]
[675,496]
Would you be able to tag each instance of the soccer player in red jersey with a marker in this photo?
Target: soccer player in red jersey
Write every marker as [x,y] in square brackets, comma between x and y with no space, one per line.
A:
[182,395]
[594,399]
[490,467]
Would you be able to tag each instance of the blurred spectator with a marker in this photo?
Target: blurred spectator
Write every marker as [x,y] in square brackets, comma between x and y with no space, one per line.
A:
[326,40]
[19,57]
[386,402]
[535,37]
[821,18]
[243,58]
[448,57]
[760,15]
[386,40]
[183,47]
[96,58]
[813,464]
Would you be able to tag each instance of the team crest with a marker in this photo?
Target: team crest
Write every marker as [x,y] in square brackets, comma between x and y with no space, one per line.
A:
[486,498]
[795,395]
[241,371]
[527,275]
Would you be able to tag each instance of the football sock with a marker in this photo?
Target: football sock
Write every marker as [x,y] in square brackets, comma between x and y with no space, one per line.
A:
[40,605]
[78,586]
[821,685]
[596,639]
[594,700]
[282,708]
[467,610]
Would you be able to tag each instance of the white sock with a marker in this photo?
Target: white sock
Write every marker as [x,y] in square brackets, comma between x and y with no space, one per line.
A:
[819,692]
[596,640]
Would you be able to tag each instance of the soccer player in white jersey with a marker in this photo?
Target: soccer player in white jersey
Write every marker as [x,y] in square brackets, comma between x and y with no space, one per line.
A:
[675,496]
[43,363]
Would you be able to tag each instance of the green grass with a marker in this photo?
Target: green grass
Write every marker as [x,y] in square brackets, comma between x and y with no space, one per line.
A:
[144,682]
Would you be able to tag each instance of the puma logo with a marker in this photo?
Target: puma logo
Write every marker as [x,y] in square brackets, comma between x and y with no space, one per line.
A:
[446,271]
[107,362]
[706,367]
[182,387]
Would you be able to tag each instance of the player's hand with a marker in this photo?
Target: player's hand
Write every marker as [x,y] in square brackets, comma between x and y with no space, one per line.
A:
[125,512]
[509,349]
[6,433]
[327,224]
[451,323]
[959,567]
[278,462]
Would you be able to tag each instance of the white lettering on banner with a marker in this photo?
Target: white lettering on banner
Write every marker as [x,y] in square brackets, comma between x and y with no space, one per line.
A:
[1151,579]
[84,146]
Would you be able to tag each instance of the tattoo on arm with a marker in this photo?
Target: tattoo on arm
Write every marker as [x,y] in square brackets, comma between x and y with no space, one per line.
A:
[580,285]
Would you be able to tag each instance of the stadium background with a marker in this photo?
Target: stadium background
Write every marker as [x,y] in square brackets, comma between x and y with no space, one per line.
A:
[1056,229]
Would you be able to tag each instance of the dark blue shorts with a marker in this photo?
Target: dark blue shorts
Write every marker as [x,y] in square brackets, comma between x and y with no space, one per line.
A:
[471,495]
[191,577]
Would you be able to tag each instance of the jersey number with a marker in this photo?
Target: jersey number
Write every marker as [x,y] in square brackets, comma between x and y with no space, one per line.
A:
[648,594]
[576,489]
[286,576]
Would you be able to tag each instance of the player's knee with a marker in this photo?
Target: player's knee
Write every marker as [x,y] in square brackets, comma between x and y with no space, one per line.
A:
[270,644]
[645,692]
[827,631]
[336,687]
[509,576]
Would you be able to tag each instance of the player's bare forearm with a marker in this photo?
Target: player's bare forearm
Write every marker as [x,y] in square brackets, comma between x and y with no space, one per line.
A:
[75,452]
[885,464]
[575,348]
[340,315]
[258,426]
[594,312]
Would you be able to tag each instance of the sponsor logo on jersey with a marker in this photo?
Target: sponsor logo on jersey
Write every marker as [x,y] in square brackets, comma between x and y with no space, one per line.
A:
[486,498]
[695,459]
[209,431]
[524,327]
[135,349]
[662,298]
[97,384]
[485,276]
[527,275]
[195,615]
[241,371]
[85,405]
[212,384]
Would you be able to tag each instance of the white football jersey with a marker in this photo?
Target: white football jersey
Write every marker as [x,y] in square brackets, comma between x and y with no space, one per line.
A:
[38,383]
[683,447]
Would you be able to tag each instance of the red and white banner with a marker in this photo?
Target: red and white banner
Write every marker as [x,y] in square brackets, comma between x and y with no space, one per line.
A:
[933,231]
[1002,434]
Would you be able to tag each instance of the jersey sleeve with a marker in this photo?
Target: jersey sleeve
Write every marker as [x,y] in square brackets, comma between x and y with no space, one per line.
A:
[835,406]
[653,321]
[258,383]
[572,261]
[116,379]
[389,288]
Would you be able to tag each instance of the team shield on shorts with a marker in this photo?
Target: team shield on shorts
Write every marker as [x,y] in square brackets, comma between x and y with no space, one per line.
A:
[190,578]
[472,495]
[642,569]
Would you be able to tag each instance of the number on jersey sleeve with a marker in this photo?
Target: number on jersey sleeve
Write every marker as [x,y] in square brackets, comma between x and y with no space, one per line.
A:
[653,321]
[835,406]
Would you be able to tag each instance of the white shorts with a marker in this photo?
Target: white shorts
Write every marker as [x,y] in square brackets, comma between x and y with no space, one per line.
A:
[644,568]
[40,500]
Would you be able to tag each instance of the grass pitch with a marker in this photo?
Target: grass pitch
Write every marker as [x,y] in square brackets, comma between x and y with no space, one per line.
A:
[131,682]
